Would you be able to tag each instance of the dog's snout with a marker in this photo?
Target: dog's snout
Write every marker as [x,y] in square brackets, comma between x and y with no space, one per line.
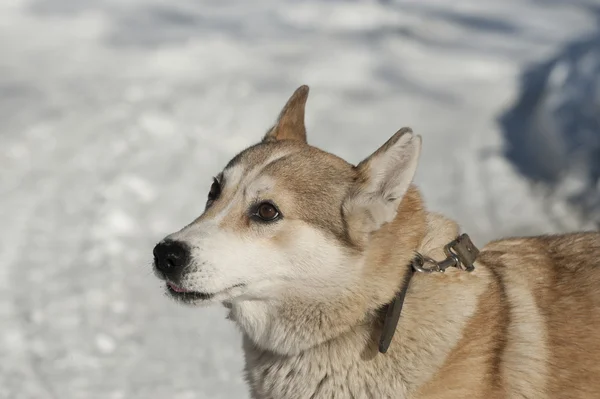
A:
[171,256]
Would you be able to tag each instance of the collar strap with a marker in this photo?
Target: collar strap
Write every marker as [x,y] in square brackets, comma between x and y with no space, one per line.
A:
[460,253]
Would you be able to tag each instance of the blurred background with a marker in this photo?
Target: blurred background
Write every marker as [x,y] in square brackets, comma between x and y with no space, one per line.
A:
[115,114]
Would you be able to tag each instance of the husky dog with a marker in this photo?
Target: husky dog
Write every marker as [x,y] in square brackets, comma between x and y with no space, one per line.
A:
[308,253]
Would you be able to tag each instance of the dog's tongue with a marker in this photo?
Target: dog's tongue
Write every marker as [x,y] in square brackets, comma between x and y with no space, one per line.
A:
[176,288]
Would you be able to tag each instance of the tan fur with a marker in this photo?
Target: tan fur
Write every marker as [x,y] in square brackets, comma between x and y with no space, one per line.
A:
[524,324]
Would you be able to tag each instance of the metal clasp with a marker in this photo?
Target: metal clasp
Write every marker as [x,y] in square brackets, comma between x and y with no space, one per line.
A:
[460,253]
[437,267]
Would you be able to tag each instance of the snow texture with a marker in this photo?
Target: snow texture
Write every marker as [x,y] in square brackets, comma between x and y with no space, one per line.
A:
[114,115]
[553,131]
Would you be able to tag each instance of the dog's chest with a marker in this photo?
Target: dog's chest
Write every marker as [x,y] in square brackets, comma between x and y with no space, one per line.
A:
[318,375]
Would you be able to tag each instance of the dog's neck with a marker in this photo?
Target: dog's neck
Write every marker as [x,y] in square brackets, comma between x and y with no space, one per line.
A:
[348,326]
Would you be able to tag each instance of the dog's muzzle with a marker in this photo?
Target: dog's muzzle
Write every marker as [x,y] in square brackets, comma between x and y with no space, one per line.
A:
[170,258]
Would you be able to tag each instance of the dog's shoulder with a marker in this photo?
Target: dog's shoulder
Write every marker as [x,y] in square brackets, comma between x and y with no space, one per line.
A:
[552,267]
[572,252]
[551,284]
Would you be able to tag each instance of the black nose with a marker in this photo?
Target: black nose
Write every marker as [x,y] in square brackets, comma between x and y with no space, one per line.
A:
[171,256]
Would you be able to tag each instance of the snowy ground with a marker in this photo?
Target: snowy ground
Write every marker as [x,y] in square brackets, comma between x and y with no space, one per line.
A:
[553,130]
[114,114]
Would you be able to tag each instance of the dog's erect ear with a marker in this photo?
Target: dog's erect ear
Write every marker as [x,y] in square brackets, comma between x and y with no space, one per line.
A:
[290,124]
[383,179]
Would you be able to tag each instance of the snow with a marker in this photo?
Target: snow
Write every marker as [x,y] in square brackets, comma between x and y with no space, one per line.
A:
[114,115]
[553,131]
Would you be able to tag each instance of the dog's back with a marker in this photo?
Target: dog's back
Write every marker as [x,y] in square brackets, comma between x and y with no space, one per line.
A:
[551,285]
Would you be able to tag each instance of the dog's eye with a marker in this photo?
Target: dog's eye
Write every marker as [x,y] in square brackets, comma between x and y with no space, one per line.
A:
[213,194]
[267,212]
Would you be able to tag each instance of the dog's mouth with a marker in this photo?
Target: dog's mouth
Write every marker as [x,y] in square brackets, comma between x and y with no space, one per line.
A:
[189,296]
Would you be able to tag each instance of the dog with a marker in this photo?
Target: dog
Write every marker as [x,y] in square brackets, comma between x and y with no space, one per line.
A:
[315,257]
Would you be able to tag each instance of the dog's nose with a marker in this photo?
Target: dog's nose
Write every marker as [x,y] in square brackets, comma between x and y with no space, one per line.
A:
[171,256]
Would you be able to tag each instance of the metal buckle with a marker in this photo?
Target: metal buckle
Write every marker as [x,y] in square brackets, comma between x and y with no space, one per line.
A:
[464,251]
[460,253]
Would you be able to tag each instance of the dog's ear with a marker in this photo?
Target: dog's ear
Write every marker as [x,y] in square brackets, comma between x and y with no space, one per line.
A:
[290,124]
[383,180]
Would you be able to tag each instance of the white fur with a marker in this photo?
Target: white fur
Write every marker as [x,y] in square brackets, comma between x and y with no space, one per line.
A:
[234,175]
[390,174]
[526,353]
[223,258]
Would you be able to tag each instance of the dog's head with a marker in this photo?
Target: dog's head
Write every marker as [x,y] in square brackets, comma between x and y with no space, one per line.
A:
[284,217]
